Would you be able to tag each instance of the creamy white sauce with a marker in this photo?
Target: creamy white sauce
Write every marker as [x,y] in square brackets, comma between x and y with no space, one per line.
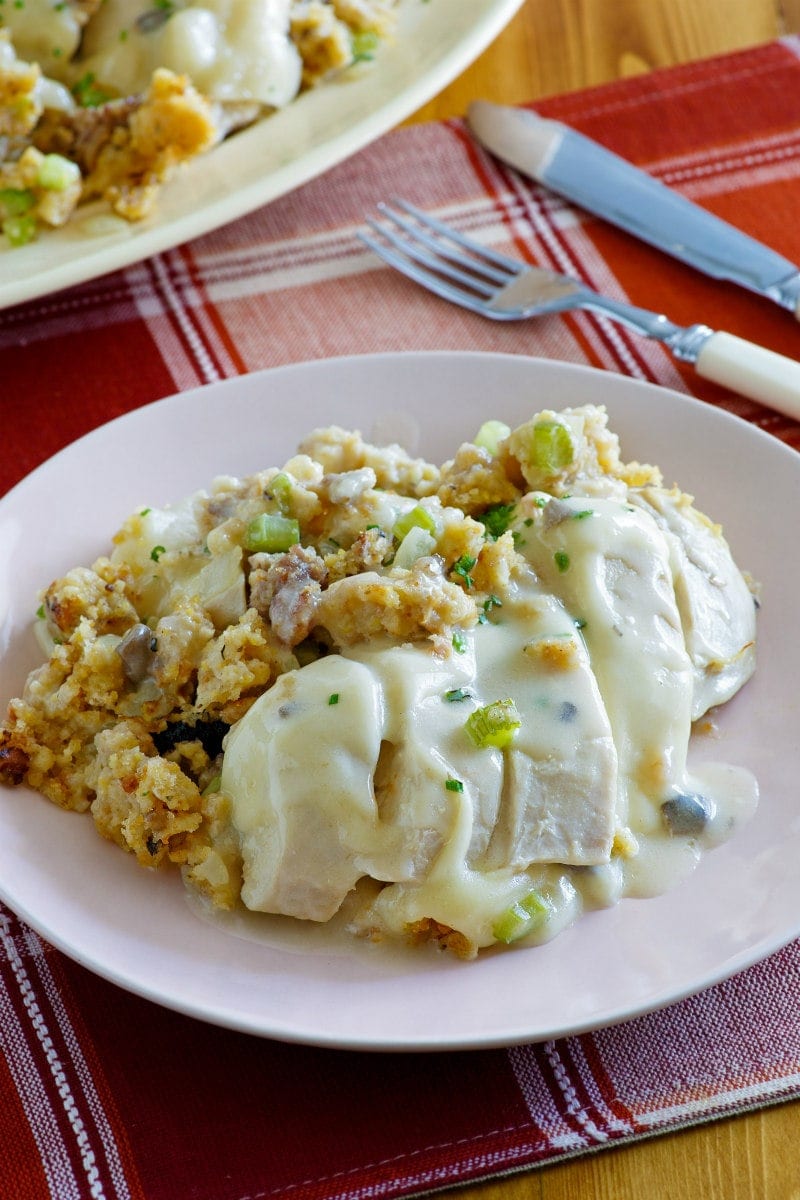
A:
[341,770]
[43,31]
[230,49]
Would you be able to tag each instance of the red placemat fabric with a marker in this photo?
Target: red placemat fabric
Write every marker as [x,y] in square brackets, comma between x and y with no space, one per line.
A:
[104,1095]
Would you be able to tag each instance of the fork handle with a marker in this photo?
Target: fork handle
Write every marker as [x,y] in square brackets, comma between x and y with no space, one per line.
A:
[751,371]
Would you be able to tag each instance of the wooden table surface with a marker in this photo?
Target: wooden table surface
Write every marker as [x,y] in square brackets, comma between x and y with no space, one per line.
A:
[555,46]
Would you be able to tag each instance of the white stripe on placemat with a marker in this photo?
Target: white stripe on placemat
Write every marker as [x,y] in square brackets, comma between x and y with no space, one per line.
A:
[31,1086]
[750,1096]
[81,1067]
[541,1105]
[614,346]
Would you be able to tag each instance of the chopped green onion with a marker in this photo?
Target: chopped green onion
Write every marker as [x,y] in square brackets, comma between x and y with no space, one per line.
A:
[156,552]
[561,560]
[212,786]
[417,518]
[271,532]
[457,694]
[16,201]
[579,623]
[552,447]
[491,434]
[57,173]
[454,785]
[462,568]
[459,641]
[494,725]
[40,612]
[583,514]
[522,918]
[333,698]
[497,519]
[19,230]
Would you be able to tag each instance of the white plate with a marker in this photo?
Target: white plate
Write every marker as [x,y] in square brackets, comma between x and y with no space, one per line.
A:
[435,42]
[138,929]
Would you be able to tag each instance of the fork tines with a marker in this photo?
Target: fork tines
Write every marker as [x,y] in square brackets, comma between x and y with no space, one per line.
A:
[437,256]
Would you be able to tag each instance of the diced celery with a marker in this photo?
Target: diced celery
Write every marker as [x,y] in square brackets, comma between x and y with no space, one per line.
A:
[16,201]
[19,230]
[491,434]
[281,489]
[552,447]
[494,725]
[416,544]
[271,533]
[57,173]
[365,43]
[418,517]
[522,918]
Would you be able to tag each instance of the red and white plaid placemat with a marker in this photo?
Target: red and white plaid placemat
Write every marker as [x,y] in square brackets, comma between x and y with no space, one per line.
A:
[107,1096]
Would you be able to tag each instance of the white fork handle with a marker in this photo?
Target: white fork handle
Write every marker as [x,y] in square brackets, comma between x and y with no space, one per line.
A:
[752,371]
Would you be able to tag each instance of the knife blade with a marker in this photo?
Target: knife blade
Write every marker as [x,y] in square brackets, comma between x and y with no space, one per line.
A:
[605,184]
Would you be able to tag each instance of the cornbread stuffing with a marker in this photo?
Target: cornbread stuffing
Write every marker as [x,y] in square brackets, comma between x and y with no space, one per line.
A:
[105,99]
[420,695]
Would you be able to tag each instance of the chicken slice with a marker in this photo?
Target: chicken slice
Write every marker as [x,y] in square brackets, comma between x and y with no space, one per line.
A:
[610,565]
[559,799]
[299,767]
[717,608]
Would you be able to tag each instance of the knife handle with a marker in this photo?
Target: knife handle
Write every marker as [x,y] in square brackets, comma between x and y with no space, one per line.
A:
[752,371]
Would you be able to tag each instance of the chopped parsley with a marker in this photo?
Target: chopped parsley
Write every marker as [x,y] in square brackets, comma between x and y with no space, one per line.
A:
[496,519]
[489,603]
[561,559]
[87,93]
[462,568]
[459,641]
[333,698]
[454,785]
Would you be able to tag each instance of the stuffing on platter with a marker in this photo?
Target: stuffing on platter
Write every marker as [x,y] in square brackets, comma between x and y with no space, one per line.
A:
[104,99]
[439,704]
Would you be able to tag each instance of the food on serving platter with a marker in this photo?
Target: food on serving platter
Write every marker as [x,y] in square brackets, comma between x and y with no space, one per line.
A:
[106,98]
[451,703]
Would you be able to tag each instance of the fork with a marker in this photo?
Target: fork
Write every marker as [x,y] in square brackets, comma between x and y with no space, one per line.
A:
[504,289]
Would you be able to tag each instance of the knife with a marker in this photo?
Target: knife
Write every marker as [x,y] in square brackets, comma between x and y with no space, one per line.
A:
[601,182]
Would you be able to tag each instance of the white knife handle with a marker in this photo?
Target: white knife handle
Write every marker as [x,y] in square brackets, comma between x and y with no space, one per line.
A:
[752,371]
